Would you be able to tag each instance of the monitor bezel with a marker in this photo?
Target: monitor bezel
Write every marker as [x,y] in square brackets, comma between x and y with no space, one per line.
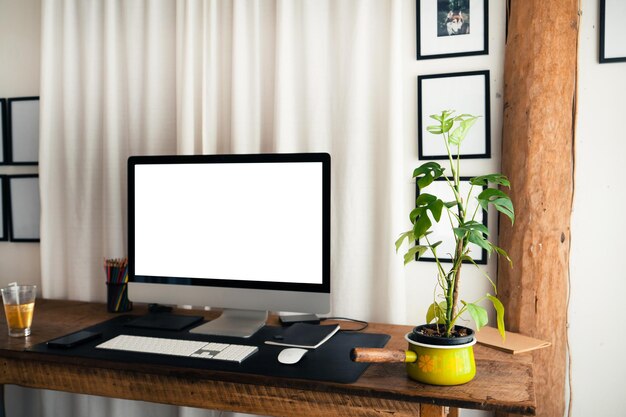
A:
[323,158]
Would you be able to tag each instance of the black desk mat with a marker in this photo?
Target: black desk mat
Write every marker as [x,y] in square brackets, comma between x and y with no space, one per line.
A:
[329,362]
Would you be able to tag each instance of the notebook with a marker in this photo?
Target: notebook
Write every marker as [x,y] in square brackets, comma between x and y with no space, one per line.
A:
[515,343]
[304,335]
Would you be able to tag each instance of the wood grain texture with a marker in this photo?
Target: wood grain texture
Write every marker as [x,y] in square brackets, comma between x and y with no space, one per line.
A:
[504,382]
[427,410]
[537,156]
[374,355]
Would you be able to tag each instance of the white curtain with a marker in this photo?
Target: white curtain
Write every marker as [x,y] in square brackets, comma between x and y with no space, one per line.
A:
[125,77]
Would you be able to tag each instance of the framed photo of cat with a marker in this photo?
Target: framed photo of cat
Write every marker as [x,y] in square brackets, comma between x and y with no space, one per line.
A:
[452,28]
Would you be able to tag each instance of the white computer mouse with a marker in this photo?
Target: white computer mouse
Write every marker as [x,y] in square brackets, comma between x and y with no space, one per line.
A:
[290,356]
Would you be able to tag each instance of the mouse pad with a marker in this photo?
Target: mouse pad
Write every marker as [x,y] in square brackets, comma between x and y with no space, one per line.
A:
[329,362]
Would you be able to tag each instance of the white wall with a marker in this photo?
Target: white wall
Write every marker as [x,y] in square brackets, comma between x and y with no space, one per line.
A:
[598,279]
[20,29]
[421,276]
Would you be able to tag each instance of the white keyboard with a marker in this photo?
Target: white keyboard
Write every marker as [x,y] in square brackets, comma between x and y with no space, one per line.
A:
[178,347]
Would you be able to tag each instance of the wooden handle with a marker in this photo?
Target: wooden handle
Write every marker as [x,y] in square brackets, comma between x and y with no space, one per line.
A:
[374,355]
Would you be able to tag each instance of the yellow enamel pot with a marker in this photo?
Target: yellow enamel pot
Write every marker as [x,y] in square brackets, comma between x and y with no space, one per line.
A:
[441,364]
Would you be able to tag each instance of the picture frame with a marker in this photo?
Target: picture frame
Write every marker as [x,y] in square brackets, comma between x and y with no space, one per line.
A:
[24,207]
[467,92]
[612,45]
[443,232]
[3,124]
[23,130]
[4,231]
[452,28]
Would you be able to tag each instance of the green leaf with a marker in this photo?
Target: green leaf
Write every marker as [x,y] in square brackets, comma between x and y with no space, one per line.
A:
[463,116]
[436,207]
[402,237]
[427,173]
[446,114]
[436,312]
[435,129]
[485,180]
[421,226]
[431,314]
[473,225]
[470,227]
[499,314]
[445,123]
[419,216]
[479,240]
[475,232]
[458,135]
[415,213]
[478,313]
[499,199]
[414,253]
[468,258]
[502,252]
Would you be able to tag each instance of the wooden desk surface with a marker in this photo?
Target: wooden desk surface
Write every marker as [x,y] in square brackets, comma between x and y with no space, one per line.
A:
[504,382]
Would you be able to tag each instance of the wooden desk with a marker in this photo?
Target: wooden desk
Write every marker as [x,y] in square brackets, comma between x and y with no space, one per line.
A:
[503,382]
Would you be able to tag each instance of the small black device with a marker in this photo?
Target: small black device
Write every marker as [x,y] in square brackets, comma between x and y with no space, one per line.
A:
[164,321]
[299,318]
[72,340]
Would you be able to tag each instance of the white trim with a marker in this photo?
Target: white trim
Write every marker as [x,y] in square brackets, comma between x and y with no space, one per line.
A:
[412,342]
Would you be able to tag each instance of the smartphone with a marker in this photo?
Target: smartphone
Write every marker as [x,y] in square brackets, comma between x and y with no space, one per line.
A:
[72,340]
[299,318]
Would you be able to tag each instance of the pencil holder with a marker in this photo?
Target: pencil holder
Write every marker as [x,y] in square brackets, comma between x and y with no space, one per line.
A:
[117,298]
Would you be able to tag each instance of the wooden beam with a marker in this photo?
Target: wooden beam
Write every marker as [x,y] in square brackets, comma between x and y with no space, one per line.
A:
[537,156]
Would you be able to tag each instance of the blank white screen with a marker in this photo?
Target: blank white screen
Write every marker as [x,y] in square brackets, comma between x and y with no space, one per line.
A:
[238,221]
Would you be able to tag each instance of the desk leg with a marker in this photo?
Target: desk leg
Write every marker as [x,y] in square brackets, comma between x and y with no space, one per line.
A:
[2,400]
[429,410]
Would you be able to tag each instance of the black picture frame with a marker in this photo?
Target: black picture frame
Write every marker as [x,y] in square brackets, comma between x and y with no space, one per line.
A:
[464,92]
[4,212]
[3,130]
[439,187]
[445,33]
[612,45]
[22,131]
[24,207]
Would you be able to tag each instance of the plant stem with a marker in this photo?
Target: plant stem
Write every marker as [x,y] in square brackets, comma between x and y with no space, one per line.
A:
[457,280]
[449,303]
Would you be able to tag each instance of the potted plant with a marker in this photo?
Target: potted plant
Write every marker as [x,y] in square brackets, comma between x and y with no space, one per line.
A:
[443,349]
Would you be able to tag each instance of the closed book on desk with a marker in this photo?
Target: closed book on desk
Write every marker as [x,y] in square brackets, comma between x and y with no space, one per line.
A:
[514,343]
[304,335]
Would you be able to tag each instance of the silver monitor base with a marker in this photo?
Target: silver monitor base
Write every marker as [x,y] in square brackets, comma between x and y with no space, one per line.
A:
[236,323]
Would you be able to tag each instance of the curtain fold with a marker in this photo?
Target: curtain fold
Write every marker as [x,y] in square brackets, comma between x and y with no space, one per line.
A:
[123,78]
[309,75]
[106,92]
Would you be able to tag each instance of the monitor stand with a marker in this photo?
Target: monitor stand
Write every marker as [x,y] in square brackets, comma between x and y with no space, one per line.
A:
[232,322]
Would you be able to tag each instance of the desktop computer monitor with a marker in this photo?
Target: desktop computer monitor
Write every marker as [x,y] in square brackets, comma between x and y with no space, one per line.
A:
[246,233]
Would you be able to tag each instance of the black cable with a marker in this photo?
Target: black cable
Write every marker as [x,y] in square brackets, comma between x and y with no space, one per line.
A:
[363,323]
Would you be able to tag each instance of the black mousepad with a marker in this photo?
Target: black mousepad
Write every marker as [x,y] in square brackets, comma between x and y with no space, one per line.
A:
[329,362]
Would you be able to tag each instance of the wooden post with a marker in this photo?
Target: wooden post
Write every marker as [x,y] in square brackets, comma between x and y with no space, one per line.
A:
[537,156]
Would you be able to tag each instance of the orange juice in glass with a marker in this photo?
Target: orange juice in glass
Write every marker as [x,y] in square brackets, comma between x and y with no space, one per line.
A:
[19,305]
